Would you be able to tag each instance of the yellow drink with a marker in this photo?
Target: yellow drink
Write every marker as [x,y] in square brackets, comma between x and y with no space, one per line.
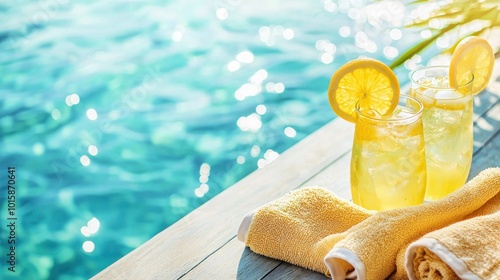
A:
[448,131]
[388,159]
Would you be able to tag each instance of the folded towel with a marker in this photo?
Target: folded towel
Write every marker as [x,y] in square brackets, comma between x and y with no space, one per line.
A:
[371,247]
[469,249]
[311,223]
[290,228]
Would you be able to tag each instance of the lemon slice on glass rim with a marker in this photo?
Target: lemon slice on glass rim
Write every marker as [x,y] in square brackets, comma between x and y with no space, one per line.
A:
[473,55]
[367,81]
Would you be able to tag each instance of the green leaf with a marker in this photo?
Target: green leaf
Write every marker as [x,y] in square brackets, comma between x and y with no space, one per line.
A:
[420,46]
[418,2]
[460,12]
[453,15]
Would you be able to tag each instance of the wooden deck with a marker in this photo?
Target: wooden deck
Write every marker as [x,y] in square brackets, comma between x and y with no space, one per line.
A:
[203,244]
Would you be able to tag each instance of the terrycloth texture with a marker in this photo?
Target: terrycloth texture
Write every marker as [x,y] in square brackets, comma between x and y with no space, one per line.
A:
[303,226]
[291,228]
[466,250]
[371,247]
[490,207]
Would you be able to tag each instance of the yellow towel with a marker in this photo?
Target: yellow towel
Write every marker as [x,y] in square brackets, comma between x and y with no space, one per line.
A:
[469,249]
[290,228]
[371,247]
[309,224]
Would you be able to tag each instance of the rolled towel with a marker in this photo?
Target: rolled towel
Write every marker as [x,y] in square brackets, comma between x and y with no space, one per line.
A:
[371,247]
[469,249]
[490,207]
[291,228]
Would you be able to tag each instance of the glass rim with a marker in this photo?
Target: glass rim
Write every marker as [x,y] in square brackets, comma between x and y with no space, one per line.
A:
[412,73]
[378,119]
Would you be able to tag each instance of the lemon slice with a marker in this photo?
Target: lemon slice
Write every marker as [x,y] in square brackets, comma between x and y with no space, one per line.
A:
[472,55]
[368,81]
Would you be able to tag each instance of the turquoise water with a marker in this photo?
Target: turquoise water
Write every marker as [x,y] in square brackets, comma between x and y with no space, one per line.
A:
[120,118]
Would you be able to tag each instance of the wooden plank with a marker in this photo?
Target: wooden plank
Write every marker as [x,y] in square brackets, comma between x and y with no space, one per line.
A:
[485,125]
[238,263]
[286,271]
[181,247]
[335,177]
[488,156]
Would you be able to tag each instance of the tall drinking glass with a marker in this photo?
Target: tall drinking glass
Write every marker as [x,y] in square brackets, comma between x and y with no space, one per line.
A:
[448,131]
[388,158]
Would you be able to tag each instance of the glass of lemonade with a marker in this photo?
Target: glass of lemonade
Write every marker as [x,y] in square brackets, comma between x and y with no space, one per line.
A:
[448,130]
[388,168]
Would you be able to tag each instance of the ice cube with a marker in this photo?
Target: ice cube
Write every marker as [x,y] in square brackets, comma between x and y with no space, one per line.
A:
[447,94]
[429,93]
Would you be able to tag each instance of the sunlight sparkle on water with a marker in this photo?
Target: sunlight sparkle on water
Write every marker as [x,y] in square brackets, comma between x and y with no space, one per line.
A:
[38,149]
[203,179]
[416,58]
[88,246]
[396,34]
[363,42]
[326,58]
[177,36]
[178,33]
[233,66]
[92,114]
[85,160]
[345,31]
[330,6]
[85,231]
[261,109]
[269,34]
[93,225]
[410,65]
[221,13]
[290,132]
[255,151]
[288,34]
[205,169]
[204,188]
[258,77]
[204,174]
[91,228]
[269,156]
[75,99]
[93,150]
[326,46]
[72,99]
[264,33]
[240,159]
[247,90]
[425,34]
[272,87]
[201,190]
[56,114]
[422,12]
[279,87]
[344,6]
[250,123]
[245,57]
[443,42]
[436,23]
[390,52]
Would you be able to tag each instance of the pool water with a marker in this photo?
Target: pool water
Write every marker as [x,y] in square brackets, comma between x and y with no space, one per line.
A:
[121,118]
